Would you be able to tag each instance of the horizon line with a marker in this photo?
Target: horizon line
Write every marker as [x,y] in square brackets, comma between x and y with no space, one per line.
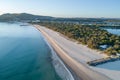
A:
[60,16]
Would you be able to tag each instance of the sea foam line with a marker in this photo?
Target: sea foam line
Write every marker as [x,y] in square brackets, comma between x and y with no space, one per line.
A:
[58,64]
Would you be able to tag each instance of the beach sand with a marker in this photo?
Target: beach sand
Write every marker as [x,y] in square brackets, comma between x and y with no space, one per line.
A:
[74,55]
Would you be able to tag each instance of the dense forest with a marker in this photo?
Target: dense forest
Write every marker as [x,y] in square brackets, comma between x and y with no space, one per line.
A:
[92,36]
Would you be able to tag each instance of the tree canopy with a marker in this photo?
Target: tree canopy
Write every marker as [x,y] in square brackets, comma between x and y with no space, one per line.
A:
[92,36]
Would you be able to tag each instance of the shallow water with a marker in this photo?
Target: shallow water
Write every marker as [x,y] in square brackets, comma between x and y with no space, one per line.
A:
[24,55]
[111,65]
[114,31]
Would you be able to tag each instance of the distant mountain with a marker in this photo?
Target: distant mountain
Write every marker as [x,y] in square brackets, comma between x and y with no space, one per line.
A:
[30,17]
[23,17]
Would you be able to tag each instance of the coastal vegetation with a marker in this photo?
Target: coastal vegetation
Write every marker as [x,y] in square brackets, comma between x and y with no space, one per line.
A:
[92,36]
[26,17]
[88,31]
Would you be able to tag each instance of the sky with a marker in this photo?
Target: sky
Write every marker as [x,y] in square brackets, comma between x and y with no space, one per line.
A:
[63,8]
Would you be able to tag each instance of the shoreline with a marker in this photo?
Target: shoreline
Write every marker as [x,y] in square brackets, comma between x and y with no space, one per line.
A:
[70,70]
[81,70]
[60,63]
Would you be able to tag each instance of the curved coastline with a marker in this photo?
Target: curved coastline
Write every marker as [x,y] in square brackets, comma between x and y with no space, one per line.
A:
[59,65]
[80,70]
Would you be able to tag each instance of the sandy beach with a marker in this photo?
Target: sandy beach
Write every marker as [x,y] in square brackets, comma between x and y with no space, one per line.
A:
[74,55]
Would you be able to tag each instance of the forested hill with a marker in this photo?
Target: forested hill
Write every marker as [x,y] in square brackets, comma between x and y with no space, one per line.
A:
[22,17]
[31,17]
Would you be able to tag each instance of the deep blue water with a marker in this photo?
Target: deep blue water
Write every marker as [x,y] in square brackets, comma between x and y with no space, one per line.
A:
[24,55]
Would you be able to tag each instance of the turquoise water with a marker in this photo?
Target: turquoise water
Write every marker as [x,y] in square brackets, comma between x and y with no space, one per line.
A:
[24,55]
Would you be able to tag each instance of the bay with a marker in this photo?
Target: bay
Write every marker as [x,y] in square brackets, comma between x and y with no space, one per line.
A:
[24,55]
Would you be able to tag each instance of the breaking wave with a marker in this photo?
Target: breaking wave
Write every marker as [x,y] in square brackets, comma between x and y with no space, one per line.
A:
[59,66]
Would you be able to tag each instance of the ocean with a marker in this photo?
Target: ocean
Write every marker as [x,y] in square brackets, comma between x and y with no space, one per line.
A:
[24,54]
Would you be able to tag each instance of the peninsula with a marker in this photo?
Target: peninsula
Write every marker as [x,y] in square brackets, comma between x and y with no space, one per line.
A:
[73,55]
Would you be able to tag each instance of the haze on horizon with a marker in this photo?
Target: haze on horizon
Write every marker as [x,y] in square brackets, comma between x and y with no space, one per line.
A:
[63,8]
